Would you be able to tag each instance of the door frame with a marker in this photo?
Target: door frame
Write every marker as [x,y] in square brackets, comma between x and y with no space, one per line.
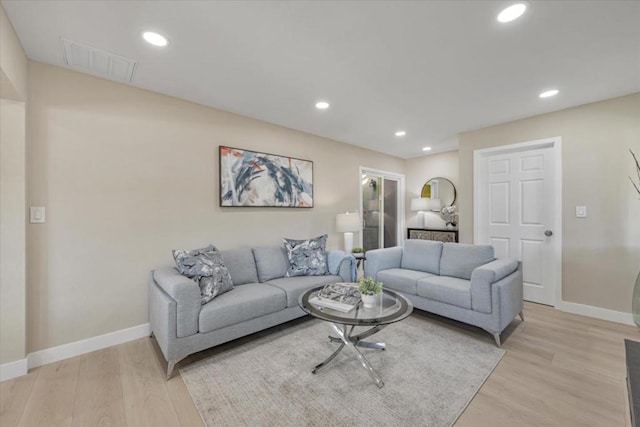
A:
[478,180]
[363,170]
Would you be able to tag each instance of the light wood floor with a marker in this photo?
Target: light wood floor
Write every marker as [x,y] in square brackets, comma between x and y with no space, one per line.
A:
[559,370]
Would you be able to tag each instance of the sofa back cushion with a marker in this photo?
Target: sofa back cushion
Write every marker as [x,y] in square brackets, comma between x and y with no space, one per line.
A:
[459,259]
[271,262]
[241,265]
[422,255]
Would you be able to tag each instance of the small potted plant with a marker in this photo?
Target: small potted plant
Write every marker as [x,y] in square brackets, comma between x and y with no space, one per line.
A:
[369,291]
[357,250]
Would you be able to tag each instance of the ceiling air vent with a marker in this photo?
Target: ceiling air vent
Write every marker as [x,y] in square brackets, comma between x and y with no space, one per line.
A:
[97,61]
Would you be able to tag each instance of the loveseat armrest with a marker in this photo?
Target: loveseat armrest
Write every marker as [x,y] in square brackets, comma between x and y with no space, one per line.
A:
[186,294]
[342,264]
[382,259]
[483,276]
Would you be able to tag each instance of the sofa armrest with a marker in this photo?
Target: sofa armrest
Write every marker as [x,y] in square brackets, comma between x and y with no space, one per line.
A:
[382,259]
[482,277]
[186,294]
[342,264]
[507,294]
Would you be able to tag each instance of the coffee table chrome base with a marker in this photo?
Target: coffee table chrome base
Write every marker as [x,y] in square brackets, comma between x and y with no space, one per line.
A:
[346,339]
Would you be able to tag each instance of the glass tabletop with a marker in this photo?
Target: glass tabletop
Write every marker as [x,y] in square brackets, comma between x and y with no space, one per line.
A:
[389,308]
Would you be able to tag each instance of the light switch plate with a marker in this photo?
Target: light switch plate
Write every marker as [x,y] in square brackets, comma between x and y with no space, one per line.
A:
[581,211]
[37,215]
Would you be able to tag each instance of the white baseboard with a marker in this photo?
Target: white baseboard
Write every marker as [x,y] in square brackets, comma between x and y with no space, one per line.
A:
[65,351]
[77,348]
[13,369]
[597,312]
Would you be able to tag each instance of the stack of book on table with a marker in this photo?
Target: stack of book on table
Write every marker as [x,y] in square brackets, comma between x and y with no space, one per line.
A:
[342,297]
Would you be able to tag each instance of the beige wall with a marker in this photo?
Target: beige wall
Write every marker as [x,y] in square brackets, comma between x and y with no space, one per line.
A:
[127,175]
[421,170]
[601,253]
[13,62]
[13,86]
[12,231]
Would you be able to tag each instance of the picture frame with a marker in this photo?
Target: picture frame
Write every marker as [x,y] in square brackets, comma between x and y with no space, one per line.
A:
[255,179]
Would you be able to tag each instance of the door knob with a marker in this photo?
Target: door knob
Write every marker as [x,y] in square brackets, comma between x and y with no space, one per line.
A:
[548,233]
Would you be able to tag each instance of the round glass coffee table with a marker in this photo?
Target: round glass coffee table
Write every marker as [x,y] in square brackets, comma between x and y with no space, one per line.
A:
[391,307]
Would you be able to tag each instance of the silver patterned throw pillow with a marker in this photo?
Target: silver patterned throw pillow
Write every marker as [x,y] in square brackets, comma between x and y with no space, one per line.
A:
[207,268]
[307,257]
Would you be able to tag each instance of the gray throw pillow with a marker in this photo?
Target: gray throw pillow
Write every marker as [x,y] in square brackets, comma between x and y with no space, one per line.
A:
[207,268]
[307,257]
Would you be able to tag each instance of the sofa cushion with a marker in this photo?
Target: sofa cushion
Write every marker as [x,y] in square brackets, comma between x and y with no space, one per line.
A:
[243,303]
[295,286]
[196,262]
[449,290]
[400,279]
[307,257]
[241,265]
[216,284]
[207,268]
[422,255]
[459,259]
[271,262]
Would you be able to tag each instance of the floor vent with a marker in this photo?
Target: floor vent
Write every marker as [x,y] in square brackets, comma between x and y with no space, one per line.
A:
[97,61]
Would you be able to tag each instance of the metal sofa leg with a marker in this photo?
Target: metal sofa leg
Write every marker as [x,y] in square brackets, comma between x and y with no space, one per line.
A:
[170,365]
[496,337]
[522,316]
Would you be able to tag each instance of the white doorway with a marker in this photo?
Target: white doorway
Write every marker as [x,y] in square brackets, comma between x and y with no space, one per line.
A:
[518,210]
[382,208]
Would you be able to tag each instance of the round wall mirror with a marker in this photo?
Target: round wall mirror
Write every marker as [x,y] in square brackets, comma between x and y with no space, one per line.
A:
[440,188]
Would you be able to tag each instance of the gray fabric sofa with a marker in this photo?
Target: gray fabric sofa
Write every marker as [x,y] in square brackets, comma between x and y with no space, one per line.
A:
[460,281]
[262,297]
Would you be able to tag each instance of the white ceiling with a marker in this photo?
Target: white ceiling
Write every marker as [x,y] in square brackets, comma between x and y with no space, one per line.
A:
[432,68]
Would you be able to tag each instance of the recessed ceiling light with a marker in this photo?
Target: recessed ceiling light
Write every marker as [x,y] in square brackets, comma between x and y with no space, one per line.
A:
[426,148]
[401,133]
[155,38]
[512,12]
[549,93]
[322,105]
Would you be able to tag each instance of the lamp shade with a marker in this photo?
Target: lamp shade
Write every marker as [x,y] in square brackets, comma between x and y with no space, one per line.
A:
[420,204]
[425,204]
[348,222]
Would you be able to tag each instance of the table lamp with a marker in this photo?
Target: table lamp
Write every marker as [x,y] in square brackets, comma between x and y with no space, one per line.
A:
[347,223]
[422,204]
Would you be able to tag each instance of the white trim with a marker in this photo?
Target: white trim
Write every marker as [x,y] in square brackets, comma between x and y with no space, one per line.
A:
[12,370]
[401,198]
[54,354]
[597,312]
[551,142]
[65,351]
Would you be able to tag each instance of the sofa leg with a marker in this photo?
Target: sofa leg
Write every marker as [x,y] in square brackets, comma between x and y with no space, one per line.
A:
[522,316]
[496,337]
[170,365]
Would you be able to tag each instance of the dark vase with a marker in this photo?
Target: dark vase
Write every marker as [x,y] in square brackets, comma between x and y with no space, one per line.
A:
[636,301]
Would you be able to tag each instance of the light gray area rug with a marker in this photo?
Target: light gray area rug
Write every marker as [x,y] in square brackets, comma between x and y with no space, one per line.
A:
[431,373]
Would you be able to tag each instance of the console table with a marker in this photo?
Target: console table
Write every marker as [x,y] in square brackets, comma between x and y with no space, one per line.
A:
[433,234]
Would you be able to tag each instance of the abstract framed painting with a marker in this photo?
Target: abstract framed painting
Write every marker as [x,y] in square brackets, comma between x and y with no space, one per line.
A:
[253,179]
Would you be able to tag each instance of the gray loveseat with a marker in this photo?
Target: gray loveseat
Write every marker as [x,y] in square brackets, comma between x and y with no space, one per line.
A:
[262,297]
[460,281]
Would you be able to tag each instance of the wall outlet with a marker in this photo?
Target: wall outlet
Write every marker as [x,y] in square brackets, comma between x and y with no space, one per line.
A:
[581,211]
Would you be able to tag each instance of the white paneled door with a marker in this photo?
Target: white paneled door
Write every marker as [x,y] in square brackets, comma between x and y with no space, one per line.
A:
[517,215]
